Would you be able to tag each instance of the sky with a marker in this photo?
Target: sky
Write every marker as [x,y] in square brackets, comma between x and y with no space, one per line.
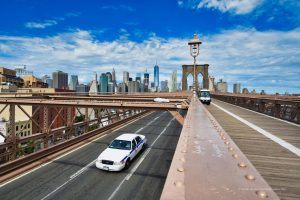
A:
[252,42]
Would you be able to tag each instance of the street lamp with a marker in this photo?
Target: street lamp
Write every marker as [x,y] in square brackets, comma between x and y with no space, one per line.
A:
[194,51]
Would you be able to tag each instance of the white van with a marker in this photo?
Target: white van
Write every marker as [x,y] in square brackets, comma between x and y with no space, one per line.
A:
[205,96]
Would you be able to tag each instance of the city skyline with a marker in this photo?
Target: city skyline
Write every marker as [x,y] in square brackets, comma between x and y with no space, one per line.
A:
[254,43]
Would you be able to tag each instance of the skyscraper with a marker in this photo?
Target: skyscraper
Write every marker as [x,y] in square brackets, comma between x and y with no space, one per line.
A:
[48,80]
[103,83]
[60,80]
[222,86]
[94,85]
[109,76]
[125,77]
[173,81]
[146,81]
[73,82]
[237,88]
[164,86]
[113,76]
[156,77]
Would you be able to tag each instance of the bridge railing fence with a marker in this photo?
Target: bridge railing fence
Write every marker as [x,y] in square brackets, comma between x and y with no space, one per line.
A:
[286,108]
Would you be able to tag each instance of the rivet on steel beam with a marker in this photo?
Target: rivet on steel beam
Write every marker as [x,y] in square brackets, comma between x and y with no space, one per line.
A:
[250,177]
[221,134]
[235,156]
[178,183]
[184,151]
[242,165]
[182,159]
[223,138]
[262,194]
[230,148]
[227,143]
[180,169]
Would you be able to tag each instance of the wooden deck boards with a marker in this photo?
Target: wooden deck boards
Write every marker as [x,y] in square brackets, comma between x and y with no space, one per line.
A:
[279,167]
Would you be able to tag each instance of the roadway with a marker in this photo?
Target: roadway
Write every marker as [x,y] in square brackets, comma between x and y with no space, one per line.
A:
[272,145]
[74,176]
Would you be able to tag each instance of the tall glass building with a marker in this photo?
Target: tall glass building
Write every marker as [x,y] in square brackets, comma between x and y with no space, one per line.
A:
[146,82]
[60,80]
[73,82]
[103,83]
[156,76]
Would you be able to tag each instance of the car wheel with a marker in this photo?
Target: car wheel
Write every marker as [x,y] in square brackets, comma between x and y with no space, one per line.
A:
[127,163]
[144,146]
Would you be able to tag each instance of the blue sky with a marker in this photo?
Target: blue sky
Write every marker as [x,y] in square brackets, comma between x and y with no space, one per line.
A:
[253,42]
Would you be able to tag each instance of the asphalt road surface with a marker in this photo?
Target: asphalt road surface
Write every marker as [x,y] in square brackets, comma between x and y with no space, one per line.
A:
[75,176]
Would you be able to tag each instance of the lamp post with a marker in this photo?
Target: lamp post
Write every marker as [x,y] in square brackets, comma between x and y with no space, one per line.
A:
[194,51]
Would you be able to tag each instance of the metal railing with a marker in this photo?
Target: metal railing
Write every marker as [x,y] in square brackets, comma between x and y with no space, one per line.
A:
[112,121]
[283,107]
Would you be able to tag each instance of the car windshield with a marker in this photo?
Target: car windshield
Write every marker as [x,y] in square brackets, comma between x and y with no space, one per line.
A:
[120,144]
[204,94]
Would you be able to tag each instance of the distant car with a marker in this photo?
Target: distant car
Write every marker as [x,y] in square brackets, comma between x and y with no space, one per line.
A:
[161,100]
[121,152]
[205,96]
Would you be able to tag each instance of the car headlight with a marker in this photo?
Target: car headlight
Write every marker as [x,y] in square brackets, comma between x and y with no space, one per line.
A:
[119,163]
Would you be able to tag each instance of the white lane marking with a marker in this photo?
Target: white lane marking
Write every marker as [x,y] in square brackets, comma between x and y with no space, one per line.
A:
[70,179]
[36,168]
[150,122]
[291,123]
[274,138]
[138,163]
[79,172]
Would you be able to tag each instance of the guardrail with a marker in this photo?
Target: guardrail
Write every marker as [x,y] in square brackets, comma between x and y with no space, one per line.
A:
[286,108]
[15,164]
[207,164]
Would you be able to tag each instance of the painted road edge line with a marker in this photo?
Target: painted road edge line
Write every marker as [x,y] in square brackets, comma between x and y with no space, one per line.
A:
[269,135]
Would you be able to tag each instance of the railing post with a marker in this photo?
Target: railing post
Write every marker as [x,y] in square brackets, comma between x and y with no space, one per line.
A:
[12,132]
[69,122]
[298,113]
[86,118]
[46,125]
[277,110]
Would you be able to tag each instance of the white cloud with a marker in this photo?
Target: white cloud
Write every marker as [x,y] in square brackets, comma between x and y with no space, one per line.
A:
[247,56]
[117,8]
[41,25]
[236,6]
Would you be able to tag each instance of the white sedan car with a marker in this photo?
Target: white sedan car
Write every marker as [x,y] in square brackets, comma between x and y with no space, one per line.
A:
[120,152]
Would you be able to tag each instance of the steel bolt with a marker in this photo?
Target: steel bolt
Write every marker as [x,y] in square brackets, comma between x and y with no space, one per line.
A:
[235,156]
[180,169]
[262,194]
[242,165]
[178,183]
[230,149]
[250,177]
